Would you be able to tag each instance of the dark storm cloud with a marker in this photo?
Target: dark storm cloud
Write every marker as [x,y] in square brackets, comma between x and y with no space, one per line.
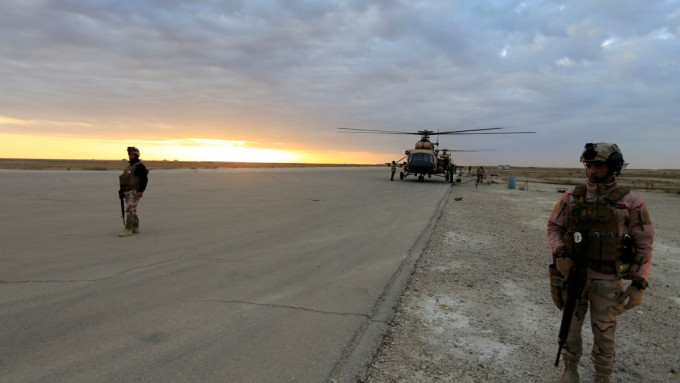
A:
[573,71]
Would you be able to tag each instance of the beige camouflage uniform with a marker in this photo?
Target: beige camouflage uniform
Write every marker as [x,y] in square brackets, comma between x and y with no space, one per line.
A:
[603,290]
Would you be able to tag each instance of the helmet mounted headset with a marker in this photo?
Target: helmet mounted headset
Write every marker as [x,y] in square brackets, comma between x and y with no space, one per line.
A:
[604,152]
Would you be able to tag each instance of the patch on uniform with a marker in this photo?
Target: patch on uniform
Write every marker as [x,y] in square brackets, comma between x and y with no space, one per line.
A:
[645,217]
[559,208]
[578,237]
[618,206]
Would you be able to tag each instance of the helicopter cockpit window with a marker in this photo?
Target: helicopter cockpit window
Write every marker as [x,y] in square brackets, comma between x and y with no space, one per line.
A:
[425,157]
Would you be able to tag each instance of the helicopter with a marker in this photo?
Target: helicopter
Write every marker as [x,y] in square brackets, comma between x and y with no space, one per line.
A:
[424,159]
[448,161]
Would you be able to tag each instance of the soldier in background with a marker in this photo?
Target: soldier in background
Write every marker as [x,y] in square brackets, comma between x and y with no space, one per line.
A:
[133,183]
[614,230]
[452,171]
[480,174]
[393,168]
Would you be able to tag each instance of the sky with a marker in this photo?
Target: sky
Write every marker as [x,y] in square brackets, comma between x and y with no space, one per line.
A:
[272,81]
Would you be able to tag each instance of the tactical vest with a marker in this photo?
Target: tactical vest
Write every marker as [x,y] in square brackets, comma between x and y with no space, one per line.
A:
[128,180]
[602,244]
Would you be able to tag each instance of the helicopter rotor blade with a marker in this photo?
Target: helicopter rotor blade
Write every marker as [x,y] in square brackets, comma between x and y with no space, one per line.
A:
[466,131]
[497,133]
[428,132]
[374,131]
[472,150]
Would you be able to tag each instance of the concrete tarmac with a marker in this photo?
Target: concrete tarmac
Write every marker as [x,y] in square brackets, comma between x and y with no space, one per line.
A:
[238,275]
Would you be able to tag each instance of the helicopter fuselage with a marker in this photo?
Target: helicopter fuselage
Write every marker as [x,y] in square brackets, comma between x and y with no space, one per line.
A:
[421,161]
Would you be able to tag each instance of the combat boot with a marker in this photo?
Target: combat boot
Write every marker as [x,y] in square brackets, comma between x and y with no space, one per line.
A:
[135,224]
[129,221]
[570,373]
[602,376]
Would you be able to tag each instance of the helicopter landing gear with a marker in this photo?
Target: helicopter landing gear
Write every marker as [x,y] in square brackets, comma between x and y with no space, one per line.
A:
[421,178]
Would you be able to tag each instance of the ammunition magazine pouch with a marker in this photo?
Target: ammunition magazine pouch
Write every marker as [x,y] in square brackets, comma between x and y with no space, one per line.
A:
[556,286]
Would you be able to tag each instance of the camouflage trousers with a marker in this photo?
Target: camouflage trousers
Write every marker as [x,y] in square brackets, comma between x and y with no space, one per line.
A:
[602,295]
[131,201]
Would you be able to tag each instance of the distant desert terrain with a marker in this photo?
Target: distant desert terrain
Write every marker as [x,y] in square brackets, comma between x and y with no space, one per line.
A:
[666,180]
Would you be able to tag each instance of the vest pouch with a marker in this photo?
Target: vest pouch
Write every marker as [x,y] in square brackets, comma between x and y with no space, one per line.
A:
[623,270]
[604,246]
[556,286]
[129,181]
[604,252]
[590,212]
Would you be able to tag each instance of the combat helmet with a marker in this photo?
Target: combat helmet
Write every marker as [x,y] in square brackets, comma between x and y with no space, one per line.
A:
[604,152]
[133,150]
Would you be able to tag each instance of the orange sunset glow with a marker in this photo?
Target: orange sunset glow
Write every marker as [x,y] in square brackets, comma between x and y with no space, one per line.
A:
[190,149]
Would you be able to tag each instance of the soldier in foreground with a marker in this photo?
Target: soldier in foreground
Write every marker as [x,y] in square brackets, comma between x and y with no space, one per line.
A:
[133,183]
[599,234]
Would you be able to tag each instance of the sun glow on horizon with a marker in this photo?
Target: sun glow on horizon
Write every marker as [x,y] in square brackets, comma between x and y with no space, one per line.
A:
[203,149]
[189,149]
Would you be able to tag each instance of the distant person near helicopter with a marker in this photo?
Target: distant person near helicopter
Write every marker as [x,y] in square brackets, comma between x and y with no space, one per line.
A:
[480,174]
[393,168]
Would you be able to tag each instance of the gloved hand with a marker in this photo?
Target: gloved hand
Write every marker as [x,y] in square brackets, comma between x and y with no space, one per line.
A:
[564,266]
[634,296]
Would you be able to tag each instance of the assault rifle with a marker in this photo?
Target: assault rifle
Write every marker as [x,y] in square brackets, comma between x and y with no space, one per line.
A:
[574,286]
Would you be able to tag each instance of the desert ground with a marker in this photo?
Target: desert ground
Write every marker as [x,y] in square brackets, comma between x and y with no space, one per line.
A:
[451,288]
[477,307]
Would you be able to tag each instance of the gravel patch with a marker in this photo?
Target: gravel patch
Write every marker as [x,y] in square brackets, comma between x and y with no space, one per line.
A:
[477,308]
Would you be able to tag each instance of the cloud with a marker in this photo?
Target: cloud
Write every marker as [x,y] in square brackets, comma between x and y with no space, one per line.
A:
[9,122]
[294,71]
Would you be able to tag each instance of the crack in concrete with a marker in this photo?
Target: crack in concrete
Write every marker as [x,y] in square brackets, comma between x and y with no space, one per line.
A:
[367,316]
[129,270]
[90,280]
